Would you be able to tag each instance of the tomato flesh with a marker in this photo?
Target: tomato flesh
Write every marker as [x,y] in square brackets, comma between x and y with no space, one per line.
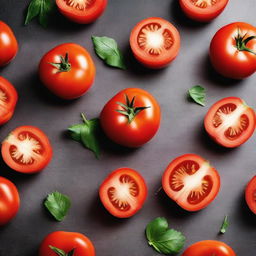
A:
[250,194]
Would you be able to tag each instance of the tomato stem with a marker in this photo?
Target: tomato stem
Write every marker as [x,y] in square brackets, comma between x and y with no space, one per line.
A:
[241,42]
[64,65]
[60,252]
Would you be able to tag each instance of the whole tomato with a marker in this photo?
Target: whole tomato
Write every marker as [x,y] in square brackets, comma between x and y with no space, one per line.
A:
[233,50]
[66,243]
[67,70]
[8,44]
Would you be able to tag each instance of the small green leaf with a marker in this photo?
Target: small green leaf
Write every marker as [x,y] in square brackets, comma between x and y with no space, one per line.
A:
[58,205]
[107,49]
[224,225]
[197,93]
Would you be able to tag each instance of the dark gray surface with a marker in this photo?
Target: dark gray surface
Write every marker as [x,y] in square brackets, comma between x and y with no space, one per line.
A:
[74,170]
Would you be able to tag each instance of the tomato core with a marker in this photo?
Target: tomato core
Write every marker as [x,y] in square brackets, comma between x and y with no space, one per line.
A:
[80,5]
[204,3]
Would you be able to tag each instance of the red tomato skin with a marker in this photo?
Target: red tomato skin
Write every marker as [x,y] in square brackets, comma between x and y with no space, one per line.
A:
[250,194]
[209,247]
[9,201]
[8,44]
[71,84]
[142,128]
[67,241]
[90,15]
[226,58]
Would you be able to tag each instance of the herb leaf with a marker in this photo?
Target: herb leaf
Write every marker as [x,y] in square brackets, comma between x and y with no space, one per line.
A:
[107,49]
[58,205]
[224,225]
[197,93]
[163,239]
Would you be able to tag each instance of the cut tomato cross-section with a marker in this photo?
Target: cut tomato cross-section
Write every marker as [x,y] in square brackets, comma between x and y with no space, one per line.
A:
[250,194]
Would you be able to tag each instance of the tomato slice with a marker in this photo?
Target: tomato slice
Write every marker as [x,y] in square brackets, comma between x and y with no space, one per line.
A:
[203,10]
[191,182]
[155,42]
[230,122]
[26,149]
[250,194]
[123,192]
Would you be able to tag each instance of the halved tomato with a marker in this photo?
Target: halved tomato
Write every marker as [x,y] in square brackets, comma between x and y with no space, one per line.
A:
[203,10]
[26,149]
[8,100]
[250,194]
[191,182]
[123,192]
[230,122]
[155,42]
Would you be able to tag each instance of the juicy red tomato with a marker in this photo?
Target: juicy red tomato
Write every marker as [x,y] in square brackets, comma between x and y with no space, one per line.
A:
[230,122]
[131,118]
[203,10]
[8,44]
[233,50]
[250,194]
[191,182]
[85,11]
[8,100]
[26,149]
[67,70]
[66,242]
[123,192]
[9,201]
[209,248]
[155,42]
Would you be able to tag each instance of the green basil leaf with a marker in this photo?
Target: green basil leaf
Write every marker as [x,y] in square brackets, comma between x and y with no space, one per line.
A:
[197,93]
[58,205]
[224,225]
[163,239]
[75,132]
[107,49]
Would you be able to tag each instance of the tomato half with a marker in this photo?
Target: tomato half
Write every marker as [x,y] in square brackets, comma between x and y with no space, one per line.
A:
[66,242]
[131,118]
[250,194]
[9,201]
[155,42]
[8,100]
[26,149]
[123,192]
[233,50]
[67,70]
[230,122]
[209,248]
[191,182]
[203,10]
[82,11]
[8,44]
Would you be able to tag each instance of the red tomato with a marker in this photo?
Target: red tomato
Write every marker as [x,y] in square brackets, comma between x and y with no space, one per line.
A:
[203,10]
[9,201]
[191,182]
[131,118]
[8,100]
[83,12]
[155,42]
[26,149]
[123,192]
[233,50]
[8,44]
[66,241]
[230,122]
[67,70]
[209,248]
[250,194]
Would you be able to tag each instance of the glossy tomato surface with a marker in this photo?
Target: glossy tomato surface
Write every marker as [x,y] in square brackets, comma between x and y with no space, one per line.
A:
[155,42]
[231,54]
[230,122]
[67,70]
[203,10]
[67,241]
[118,126]
[8,100]
[191,182]
[250,194]
[83,12]
[8,44]
[209,248]
[123,192]
[26,149]
[9,201]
